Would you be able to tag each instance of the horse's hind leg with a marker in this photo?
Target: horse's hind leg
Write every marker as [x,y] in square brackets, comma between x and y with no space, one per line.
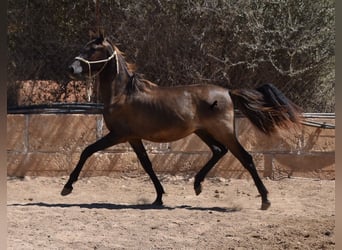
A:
[140,151]
[247,161]
[218,150]
[103,143]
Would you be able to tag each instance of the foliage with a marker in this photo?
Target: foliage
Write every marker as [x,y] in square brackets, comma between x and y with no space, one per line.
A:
[236,44]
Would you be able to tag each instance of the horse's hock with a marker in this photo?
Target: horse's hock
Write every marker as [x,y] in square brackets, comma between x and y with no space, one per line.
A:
[50,145]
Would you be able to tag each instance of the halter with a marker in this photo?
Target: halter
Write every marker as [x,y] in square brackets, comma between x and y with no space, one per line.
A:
[99,61]
[92,77]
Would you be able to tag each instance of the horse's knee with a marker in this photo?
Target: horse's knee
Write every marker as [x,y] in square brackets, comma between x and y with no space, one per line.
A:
[219,151]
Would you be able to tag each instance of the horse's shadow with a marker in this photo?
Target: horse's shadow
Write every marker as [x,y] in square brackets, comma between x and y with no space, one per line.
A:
[111,206]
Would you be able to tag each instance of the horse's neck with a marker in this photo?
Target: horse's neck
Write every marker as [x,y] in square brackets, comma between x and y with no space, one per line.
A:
[112,84]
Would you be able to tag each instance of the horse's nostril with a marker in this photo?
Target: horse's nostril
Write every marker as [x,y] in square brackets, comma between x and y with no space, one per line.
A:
[71,69]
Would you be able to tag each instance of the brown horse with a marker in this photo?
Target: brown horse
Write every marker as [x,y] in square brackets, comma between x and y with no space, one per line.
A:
[136,109]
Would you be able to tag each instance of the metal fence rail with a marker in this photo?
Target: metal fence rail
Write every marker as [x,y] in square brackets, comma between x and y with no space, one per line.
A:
[58,108]
[97,108]
[307,116]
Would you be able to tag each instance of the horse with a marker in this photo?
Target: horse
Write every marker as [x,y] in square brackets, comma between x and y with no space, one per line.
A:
[137,109]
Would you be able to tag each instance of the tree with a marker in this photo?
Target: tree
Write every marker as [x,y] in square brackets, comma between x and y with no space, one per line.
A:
[235,44]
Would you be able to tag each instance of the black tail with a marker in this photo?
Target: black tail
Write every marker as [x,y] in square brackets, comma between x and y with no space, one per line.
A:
[267,108]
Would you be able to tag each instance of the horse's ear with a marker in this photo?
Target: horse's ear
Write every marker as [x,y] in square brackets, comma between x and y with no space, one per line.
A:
[92,35]
[98,36]
[101,32]
[101,38]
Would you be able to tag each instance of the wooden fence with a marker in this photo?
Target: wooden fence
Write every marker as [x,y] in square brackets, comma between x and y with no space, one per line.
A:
[50,145]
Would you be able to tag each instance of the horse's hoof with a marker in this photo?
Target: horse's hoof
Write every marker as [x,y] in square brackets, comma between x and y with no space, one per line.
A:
[66,191]
[158,203]
[198,189]
[265,205]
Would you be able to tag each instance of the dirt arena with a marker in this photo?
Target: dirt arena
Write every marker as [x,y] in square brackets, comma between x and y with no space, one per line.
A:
[113,213]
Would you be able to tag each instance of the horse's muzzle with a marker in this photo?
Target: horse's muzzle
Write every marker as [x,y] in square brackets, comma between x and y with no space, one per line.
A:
[75,68]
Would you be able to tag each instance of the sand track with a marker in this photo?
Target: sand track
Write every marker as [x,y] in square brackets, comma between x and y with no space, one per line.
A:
[114,213]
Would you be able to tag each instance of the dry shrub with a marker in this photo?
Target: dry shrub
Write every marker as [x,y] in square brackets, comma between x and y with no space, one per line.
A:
[236,44]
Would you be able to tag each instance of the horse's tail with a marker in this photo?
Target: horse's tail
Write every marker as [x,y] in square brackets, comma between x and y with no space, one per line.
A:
[267,108]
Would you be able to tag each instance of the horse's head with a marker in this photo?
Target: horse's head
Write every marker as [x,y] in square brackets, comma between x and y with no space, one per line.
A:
[93,58]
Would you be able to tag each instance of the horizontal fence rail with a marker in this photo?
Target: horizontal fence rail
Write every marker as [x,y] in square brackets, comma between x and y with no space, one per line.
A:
[48,139]
[97,108]
[58,108]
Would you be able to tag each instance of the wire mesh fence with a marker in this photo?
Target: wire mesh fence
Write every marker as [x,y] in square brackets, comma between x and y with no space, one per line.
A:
[235,44]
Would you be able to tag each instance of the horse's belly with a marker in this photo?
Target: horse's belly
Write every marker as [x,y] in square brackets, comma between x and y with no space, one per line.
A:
[167,134]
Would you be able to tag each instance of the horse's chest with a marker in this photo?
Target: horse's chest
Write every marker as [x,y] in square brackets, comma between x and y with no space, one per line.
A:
[115,117]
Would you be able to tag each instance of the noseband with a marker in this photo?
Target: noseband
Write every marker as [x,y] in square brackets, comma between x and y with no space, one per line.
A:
[105,61]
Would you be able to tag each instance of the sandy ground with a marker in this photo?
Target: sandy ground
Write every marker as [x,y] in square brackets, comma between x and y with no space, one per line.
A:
[113,213]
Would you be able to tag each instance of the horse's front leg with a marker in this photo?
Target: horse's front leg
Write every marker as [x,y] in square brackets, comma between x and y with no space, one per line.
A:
[103,143]
[140,151]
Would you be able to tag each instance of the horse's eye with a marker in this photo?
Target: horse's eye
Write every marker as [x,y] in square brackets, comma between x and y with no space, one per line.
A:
[89,50]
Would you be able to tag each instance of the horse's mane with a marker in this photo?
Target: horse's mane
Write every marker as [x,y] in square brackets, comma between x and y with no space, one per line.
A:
[138,82]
